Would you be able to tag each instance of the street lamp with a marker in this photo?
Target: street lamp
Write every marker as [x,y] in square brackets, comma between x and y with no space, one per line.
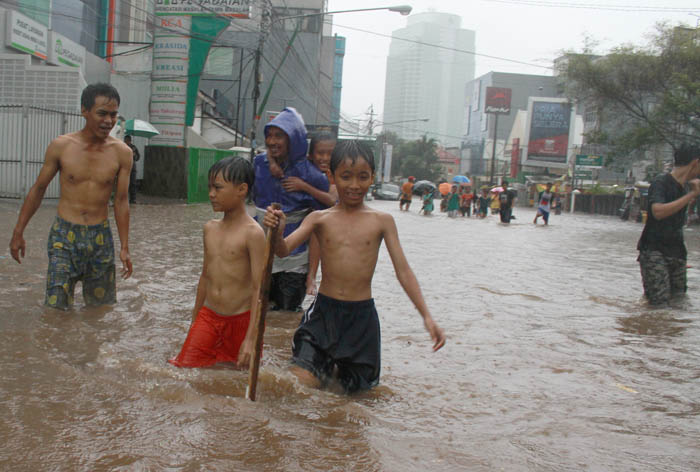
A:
[257,111]
[402,9]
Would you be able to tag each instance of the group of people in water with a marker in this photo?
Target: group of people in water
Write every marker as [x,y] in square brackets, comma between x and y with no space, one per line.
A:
[322,217]
[320,190]
[460,199]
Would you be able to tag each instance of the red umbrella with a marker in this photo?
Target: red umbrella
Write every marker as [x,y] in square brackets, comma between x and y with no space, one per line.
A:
[445,188]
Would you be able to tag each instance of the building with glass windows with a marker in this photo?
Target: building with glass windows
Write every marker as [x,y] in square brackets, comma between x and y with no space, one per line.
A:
[426,73]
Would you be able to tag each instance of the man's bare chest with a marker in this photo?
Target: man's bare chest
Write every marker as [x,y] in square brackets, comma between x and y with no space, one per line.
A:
[101,169]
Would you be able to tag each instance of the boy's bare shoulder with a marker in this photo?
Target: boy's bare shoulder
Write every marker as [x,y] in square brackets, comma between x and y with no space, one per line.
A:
[382,216]
[253,228]
[211,224]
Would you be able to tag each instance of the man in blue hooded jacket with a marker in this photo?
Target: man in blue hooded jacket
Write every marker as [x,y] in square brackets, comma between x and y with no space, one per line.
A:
[285,140]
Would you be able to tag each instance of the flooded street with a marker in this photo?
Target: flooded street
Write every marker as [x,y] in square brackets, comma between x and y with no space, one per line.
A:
[553,361]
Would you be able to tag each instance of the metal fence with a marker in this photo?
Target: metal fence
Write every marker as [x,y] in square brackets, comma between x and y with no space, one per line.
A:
[25,133]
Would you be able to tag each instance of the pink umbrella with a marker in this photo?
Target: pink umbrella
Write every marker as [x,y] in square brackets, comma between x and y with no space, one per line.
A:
[497,189]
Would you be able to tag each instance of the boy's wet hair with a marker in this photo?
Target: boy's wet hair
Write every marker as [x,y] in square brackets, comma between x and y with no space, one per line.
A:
[92,91]
[685,154]
[319,137]
[352,149]
[234,169]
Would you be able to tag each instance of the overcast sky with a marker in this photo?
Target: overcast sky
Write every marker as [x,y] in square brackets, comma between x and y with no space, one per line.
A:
[530,31]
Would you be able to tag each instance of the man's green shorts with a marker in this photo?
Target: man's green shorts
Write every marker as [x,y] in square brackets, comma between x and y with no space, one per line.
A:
[80,253]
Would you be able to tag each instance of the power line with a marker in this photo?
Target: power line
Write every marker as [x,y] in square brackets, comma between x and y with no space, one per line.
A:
[438,46]
[596,6]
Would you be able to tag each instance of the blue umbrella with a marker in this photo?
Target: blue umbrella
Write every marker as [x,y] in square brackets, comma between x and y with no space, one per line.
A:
[462,179]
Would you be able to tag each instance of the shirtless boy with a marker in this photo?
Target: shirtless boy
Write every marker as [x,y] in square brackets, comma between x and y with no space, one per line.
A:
[80,241]
[234,246]
[341,328]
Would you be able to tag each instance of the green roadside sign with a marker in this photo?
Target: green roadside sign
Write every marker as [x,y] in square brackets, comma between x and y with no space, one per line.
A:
[587,160]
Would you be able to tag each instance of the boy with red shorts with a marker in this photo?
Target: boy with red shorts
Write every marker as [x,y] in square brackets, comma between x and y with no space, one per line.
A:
[234,247]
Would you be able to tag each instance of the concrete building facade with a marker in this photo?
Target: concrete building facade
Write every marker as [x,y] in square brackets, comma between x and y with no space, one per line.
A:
[478,133]
[423,81]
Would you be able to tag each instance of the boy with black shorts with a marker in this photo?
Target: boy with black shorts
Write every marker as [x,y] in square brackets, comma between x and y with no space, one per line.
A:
[341,328]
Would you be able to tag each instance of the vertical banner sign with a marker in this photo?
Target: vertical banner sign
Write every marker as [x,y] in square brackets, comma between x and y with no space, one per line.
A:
[171,51]
[497,100]
[549,122]
[388,150]
[514,157]
[185,31]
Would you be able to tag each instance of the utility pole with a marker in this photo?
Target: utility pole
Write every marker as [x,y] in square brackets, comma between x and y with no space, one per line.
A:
[493,152]
[370,122]
[264,29]
[238,99]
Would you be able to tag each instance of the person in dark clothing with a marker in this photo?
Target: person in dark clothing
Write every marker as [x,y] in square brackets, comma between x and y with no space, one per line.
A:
[662,252]
[132,178]
[506,199]
[285,157]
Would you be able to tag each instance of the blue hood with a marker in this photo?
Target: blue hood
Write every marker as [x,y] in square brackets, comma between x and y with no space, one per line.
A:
[268,189]
[291,122]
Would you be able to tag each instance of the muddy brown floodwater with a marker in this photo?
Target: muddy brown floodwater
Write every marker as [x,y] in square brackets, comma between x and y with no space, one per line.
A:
[553,360]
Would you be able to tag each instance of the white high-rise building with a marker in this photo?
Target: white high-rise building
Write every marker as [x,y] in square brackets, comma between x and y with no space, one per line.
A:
[424,81]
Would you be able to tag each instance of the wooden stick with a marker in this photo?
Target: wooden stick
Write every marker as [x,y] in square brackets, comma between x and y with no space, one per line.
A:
[259,316]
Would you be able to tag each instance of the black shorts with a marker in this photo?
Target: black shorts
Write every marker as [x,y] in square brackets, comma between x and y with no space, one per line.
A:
[336,333]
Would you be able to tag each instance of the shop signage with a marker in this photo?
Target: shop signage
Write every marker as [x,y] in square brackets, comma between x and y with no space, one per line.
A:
[586,161]
[497,100]
[231,8]
[64,52]
[26,35]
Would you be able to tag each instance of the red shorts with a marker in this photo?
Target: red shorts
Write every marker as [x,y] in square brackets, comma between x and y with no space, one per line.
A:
[213,338]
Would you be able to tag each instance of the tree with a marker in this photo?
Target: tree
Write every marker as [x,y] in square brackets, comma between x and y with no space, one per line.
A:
[419,159]
[641,96]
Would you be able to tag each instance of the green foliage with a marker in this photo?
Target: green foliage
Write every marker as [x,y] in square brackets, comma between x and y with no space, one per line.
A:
[644,97]
[417,158]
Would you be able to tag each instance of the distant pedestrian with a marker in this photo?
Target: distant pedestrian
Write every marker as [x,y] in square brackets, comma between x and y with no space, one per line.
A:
[662,252]
[544,206]
[506,199]
[406,193]
[484,203]
[132,179]
[428,206]
[465,201]
[452,202]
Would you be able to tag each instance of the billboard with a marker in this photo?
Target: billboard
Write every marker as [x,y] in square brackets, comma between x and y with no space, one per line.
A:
[549,126]
[497,100]
[230,8]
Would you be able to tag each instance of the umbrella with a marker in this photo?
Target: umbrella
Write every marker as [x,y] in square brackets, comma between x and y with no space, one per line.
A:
[140,128]
[462,179]
[422,185]
[497,189]
[445,188]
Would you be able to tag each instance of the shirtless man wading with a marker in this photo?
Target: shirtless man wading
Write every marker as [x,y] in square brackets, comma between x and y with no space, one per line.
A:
[80,242]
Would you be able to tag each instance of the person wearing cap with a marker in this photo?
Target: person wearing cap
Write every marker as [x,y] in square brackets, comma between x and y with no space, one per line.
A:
[407,193]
